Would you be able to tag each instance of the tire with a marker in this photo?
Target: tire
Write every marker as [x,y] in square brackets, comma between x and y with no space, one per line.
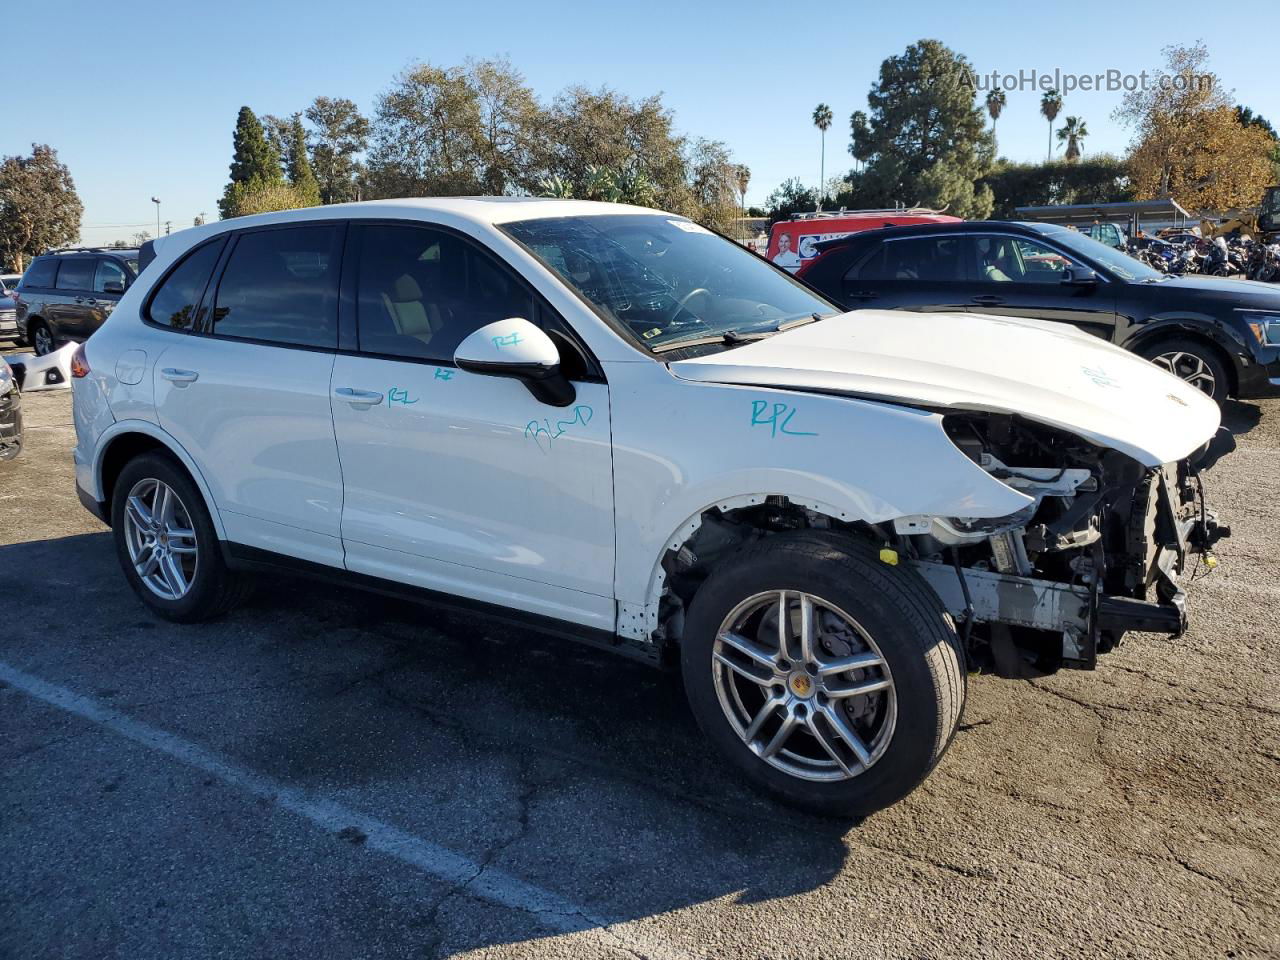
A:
[41,336]
[862,607]
[1192,361]
[211,589]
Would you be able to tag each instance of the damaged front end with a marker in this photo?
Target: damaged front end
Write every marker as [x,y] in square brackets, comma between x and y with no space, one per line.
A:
[1099,550]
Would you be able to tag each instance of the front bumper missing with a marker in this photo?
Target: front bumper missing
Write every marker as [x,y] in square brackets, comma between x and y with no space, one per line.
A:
[1085,617]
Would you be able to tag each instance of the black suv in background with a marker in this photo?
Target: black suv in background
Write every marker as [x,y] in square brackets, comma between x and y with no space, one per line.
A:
[1221,335]
[67,294]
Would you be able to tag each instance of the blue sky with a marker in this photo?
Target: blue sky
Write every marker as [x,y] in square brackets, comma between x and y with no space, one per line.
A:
[140,99]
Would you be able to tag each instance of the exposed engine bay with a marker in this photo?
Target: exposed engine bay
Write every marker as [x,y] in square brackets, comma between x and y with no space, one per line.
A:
[1098,550]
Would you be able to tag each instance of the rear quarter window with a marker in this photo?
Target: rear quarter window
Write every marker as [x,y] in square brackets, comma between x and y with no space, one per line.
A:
[41,273]
[177,297]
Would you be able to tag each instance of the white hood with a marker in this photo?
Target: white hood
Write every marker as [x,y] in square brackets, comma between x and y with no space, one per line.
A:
[1048,372]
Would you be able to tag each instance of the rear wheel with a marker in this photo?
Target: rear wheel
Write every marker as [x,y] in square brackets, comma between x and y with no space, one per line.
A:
[41,337]
[167,545]
[1192,361]
[828,677]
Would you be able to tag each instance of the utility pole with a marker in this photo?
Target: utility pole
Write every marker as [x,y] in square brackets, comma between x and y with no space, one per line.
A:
[156,201]
[168,224]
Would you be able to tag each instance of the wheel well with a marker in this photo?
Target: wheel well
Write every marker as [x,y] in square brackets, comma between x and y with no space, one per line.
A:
[687,564]
[120,451]
[1199,338]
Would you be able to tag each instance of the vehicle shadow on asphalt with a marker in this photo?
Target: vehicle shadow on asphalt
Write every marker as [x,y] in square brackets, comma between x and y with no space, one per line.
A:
[569,768]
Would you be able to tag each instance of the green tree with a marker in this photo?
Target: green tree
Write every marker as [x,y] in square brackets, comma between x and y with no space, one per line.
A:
[923,139]
[1072,133]
[791,196]
[255,163]
[822,120]
[298,166]
[340,134]
[1099,178]
[39,207]
[1050,107]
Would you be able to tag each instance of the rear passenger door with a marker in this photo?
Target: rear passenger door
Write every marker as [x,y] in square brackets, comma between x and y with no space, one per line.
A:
[246,392]
[452,480]
[912,273]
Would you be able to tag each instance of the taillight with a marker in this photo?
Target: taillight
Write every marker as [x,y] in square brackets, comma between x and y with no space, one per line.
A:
[79,365]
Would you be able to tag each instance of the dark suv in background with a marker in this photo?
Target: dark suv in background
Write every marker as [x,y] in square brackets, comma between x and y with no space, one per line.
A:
[67,294]
[1221,335]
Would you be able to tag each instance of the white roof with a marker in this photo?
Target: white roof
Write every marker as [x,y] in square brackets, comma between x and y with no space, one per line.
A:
[483,211]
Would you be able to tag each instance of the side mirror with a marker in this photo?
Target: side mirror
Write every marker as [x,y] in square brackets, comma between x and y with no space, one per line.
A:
[113,286]
[1079,277]
[516,348]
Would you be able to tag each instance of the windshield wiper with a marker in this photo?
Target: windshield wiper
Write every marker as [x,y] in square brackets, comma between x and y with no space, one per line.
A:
[801,321]
[731,337]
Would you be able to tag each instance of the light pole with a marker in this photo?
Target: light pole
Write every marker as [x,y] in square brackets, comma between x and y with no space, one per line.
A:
[156,201]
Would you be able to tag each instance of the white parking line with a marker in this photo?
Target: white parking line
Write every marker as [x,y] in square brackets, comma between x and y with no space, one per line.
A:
[488,883]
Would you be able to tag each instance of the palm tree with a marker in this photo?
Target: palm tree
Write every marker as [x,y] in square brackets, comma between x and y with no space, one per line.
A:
[995,104]
[822,120]
[1073,134]
[1050,106]
[743,174]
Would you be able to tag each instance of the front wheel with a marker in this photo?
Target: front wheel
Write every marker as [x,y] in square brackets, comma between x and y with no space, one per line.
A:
[830,678]
[1193,362]
[167,545]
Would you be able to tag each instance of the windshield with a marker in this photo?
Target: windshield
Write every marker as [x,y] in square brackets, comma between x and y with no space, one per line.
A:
[1121,264]
[667,280]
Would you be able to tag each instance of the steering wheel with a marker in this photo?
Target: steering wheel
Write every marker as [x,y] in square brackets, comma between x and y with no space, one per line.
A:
[684,301]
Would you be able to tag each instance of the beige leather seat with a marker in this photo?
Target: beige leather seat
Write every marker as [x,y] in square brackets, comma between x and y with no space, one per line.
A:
[409,313]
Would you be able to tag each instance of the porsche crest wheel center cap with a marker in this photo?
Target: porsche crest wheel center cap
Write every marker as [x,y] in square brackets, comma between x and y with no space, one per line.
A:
[801,684]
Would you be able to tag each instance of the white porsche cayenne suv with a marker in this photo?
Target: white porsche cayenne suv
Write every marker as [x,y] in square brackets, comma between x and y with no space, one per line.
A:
[613,424]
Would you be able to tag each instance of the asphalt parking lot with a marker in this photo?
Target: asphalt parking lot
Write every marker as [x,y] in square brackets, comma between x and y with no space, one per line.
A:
[330,773]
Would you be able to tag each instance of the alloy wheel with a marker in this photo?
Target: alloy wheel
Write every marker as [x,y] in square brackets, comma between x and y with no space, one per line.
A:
[1188,367]
[804,686]
[160,539]
[42,340]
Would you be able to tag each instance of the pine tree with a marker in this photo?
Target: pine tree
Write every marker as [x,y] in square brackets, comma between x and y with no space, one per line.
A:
[301,177]
[255,163]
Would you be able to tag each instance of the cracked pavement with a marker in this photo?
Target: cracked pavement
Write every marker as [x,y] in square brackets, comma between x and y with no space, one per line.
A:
[1131,811]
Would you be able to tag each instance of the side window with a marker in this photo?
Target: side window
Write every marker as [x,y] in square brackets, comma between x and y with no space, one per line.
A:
[41,273]
[870,269]
[109,272]
[77,273]
[282,286]
[933,259]
[421,292]
[1007,259]
[175,301]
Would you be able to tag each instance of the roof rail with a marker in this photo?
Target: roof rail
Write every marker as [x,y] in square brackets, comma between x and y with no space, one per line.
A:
[884,211]
[57,250]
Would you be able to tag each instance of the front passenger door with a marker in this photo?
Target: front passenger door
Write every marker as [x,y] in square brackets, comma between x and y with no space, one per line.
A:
[1022,277]
[456,481]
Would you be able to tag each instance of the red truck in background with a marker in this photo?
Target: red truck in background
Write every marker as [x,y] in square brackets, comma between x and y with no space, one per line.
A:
[792,242]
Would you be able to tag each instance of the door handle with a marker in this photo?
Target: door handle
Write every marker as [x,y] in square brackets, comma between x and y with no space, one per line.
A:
[358,398]
[864,295]
[987,300]
[181,378]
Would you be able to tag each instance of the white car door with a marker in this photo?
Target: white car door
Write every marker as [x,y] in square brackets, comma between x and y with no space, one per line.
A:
[460,482]
[247,393]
